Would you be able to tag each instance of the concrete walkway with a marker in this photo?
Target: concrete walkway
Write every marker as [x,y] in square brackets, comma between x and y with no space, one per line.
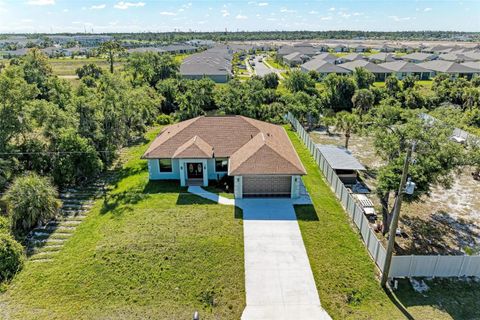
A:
[278,278]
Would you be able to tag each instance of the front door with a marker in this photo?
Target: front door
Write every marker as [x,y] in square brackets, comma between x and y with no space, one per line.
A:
[194,170]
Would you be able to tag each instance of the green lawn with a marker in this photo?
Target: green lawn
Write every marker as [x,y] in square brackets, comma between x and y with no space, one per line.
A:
[67,66]
[346,278]
[152,251]
[345,275]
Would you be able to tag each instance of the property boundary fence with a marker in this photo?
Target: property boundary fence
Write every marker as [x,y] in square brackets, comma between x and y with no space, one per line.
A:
[402,266]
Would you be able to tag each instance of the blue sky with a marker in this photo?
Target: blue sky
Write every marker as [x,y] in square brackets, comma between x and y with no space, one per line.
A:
[208,15]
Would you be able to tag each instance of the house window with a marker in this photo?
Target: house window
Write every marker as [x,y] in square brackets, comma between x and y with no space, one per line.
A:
[165,165]
[221,165]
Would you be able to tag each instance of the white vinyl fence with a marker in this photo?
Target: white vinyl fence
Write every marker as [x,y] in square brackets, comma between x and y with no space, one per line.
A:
[402,266]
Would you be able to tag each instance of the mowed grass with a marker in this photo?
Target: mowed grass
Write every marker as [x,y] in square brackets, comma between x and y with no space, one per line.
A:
[68,66]
[345,275]
[152,251]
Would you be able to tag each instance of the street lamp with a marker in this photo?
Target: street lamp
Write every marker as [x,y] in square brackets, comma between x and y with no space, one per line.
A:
[407,187]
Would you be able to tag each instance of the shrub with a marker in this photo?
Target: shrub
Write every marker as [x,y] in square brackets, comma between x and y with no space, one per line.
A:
[164,119]
[4,225]
[12,257]
[30,200]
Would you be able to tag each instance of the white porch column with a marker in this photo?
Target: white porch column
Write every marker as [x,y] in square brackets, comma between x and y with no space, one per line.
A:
[238,187]
[295,193]
[181,163]
[205,173]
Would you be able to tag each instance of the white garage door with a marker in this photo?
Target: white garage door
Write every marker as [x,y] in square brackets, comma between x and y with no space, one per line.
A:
[267,186]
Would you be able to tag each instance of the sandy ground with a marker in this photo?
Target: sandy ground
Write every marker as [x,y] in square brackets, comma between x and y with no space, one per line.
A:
[446,222]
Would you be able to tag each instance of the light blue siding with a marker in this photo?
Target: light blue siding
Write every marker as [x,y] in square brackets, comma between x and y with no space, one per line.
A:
[155,174]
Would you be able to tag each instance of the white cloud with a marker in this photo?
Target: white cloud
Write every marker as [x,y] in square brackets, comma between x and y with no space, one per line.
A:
[326,18]
[356,14]
[285,10]
[167,13]
[98,7]
[241,17]
[263,4]
[225,13]
[313,12]
[65,10]
[427,9]
[125,5]
[344,15]
[41,2]
[26,20]
[398,19]
[186,6]
[331,9]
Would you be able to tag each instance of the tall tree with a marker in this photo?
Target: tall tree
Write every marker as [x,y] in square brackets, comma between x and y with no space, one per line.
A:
[363,100]
[339,92]
[111,49]
[299,81]
[347,123]
[363,78]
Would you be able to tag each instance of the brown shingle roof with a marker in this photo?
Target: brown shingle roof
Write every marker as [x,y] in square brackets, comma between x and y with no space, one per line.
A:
[254,147]
[194,148]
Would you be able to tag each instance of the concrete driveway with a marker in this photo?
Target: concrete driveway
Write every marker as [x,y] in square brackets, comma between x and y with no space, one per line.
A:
[278,279]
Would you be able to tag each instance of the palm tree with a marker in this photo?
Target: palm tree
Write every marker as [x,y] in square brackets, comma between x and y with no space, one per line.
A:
[347,123]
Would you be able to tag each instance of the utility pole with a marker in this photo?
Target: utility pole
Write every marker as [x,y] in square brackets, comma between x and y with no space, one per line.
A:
[395,216]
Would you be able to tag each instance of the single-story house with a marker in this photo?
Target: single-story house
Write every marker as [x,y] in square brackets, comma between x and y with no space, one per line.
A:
[381,57]
[418,57]
[345,165]
[295,59]
[258,155]
[339,48]
[323,67]
[403,68]
[359,48]
[380,72]
[457,57]
[215,63]
[303,48]
[387,48]
[350,57]
[452,68]
[326,56]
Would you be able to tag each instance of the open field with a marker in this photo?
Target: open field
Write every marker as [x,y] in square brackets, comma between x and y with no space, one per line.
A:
[346,277]
[151,251]
[447,222]
[67,66]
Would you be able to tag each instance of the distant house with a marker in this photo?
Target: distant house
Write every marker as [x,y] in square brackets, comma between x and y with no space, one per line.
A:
[379,72]
[346,166]
[326,56]
[456,57]
[472,64]
[403,68]
[387,48]
[359,48]
[381,57]
[215,63]
[323,67]
[418,57]
[339,48]
[295,59]
[302,48]
[452,68]
[258,155]
[350,57]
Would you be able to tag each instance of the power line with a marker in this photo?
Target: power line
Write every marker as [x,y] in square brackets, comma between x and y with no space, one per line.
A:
[53,152]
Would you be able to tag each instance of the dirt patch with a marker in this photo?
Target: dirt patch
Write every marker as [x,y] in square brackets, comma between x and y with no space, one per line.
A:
[446,222]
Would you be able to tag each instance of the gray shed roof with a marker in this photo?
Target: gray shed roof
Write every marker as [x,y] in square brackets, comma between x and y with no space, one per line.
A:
[215,61]
[339,158]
